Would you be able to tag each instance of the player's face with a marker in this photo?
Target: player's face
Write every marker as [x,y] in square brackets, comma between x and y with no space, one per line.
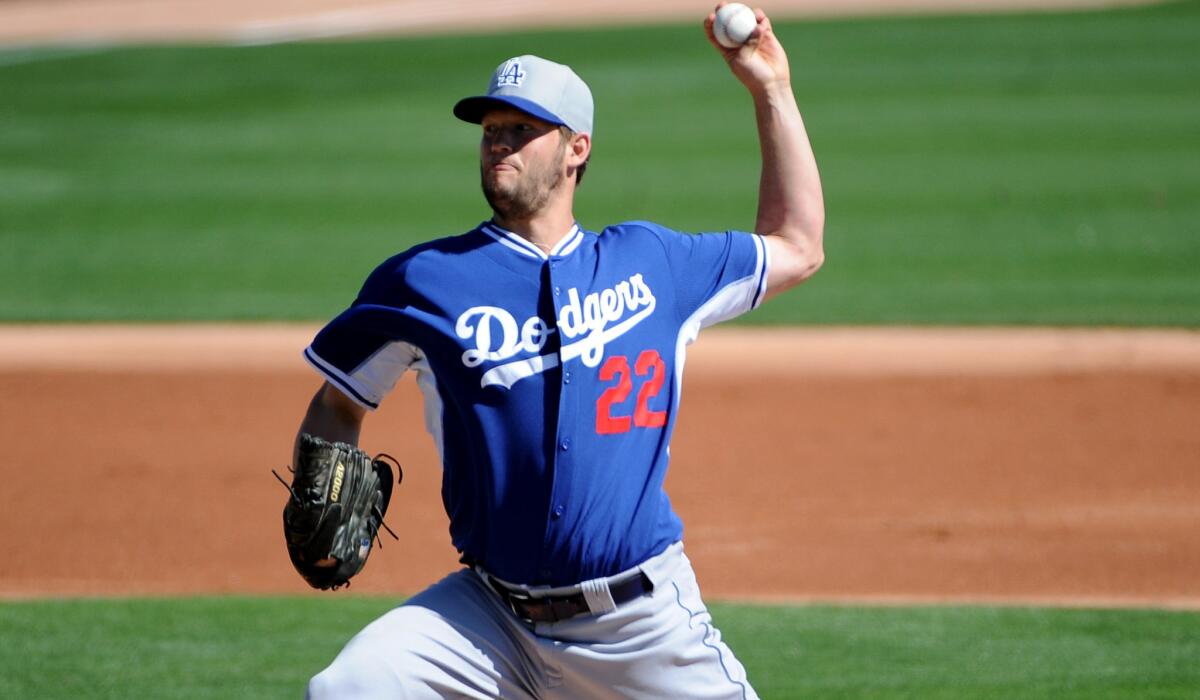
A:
[521,162]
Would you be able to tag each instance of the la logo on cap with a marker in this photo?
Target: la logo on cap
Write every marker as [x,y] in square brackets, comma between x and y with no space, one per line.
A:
[511,74]
[544,89]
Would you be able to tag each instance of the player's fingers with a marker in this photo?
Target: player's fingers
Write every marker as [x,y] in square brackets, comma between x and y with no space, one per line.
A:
[711,19]
[763,28]
[712,38]
[712,16]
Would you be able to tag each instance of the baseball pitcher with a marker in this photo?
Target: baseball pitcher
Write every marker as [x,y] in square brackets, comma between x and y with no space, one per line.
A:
[550,357]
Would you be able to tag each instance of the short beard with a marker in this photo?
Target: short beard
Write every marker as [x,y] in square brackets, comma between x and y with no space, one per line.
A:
[531,192]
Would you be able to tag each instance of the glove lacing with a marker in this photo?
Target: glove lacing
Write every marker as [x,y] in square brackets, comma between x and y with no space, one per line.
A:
[378,512]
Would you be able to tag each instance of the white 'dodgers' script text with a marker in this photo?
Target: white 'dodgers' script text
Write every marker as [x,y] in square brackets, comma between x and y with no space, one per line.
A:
[590,323]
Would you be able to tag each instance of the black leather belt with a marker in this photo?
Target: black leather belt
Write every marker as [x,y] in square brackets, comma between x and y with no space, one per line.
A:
[556,608]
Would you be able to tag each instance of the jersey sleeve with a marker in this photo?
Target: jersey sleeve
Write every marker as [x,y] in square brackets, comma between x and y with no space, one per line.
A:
[717,275]
[363,351]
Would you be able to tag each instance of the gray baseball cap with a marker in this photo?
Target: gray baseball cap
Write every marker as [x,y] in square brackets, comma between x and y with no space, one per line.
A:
[545,89]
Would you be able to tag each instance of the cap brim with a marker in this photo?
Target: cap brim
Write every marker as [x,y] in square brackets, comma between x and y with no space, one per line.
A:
[472,109]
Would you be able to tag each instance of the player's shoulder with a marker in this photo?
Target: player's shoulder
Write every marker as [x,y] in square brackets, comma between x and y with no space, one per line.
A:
[442,247]
[433,251]
[402,269]
[636,228]
[637,231]
[650,234]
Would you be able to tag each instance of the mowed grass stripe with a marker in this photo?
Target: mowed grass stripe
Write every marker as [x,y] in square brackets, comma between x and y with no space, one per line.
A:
[985,169]
[268,647]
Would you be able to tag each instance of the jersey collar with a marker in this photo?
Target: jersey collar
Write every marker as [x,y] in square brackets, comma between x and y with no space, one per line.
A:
[517,244]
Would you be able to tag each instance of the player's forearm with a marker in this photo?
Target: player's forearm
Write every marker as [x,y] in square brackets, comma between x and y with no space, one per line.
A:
[333,417]
[790,202]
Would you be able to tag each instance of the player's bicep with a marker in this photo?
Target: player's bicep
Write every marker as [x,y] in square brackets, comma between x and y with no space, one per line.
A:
[790,264]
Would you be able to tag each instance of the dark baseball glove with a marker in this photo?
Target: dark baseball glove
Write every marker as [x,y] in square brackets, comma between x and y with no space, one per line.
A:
[338,499]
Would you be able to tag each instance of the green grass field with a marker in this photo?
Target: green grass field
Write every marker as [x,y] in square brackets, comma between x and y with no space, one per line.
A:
[267,648]
[979,170]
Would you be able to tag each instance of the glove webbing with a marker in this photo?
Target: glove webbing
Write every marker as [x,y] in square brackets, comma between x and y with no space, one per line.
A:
[382,523]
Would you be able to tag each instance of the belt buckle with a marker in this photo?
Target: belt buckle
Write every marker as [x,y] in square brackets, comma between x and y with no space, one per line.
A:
[513,598]
[516,600]
[537,609]
[540,609]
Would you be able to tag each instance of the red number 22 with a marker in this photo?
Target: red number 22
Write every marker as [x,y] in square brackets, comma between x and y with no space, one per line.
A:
[617,367]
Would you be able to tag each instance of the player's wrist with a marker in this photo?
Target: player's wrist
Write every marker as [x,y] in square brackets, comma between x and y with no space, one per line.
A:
[773,94]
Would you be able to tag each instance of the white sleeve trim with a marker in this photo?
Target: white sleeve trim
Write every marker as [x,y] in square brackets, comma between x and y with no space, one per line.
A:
[733,299]
[374,378]
[762,268]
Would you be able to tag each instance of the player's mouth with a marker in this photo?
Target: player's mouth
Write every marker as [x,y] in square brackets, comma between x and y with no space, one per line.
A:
[502,165]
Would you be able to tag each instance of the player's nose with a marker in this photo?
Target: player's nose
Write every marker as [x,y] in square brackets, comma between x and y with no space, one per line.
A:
[500,143]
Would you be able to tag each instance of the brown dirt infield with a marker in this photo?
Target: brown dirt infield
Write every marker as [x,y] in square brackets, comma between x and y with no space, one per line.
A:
[1010,466]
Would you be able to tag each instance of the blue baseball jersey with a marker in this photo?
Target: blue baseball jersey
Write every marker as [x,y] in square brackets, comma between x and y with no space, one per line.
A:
[551,381]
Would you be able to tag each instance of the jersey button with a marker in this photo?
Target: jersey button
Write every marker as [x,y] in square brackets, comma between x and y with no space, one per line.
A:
[566,377]
[565,445]
[557,291]
[558,512]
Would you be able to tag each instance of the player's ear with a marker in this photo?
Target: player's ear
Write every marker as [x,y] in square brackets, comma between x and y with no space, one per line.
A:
[579,149]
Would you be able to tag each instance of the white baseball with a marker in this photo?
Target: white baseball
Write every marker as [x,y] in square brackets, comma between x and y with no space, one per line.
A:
[734,24]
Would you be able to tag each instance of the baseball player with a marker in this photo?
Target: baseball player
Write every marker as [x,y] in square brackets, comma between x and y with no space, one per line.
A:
[550,358]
